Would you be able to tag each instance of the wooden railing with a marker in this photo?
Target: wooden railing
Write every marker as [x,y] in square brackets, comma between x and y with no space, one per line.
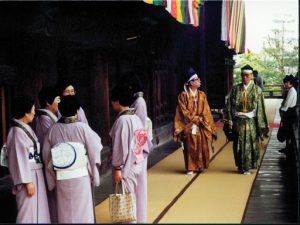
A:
[273,91]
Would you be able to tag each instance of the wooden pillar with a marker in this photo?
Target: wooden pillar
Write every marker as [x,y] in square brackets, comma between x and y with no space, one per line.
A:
[100,98]
[203,71]
[3,115]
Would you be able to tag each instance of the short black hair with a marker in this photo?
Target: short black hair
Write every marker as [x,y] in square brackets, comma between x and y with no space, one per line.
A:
[68,105]
[22,105]
[123,93]
[290,78]
[63,83]
[47,95]
[255,72]
[132,79]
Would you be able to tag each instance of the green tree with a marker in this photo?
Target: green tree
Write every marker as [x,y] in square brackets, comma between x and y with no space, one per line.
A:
[278,57]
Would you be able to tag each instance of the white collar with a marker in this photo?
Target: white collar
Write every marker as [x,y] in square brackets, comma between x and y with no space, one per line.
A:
[193,93]
[246,86]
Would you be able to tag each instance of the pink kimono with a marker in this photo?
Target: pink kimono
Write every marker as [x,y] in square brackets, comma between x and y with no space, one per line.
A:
[24,168]
[131,147]
[74,196]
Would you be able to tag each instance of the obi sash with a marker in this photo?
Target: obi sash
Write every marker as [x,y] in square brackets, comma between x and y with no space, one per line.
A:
[246,115]
[69,160]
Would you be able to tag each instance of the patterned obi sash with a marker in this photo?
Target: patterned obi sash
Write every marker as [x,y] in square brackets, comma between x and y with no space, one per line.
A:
[69,160]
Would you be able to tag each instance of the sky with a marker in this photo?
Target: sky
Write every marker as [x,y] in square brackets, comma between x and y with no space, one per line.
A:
[259,19]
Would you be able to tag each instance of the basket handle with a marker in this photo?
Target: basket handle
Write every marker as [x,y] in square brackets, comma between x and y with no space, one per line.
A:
[117,188]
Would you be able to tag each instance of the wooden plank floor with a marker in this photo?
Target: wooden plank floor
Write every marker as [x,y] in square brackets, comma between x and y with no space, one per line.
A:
[274,197]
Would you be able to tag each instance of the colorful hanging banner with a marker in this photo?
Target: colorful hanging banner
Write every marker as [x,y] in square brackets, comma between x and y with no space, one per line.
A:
[184,11]
[233,25]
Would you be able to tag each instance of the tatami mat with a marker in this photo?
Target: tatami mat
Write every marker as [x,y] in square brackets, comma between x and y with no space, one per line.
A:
[217,196]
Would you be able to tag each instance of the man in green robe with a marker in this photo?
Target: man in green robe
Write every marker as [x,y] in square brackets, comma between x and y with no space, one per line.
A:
[247,117]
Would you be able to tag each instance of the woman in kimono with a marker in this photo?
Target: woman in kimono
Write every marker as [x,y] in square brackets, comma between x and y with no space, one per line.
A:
[130,149]
[25,165]
[139,103]
[194,125]
[66,87]
[46,116]
[72,174]
[247,118]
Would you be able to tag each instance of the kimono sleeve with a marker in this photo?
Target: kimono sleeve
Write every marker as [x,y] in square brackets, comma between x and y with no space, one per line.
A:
[120,142]
[229,107]
[42,126]
[46,155]
[182,108]
[208,121]
[81,116]
[18,158]
[94,147]
[261,112]
[46,123]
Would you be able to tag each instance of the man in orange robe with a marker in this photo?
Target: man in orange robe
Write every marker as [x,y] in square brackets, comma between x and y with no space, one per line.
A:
[194,125]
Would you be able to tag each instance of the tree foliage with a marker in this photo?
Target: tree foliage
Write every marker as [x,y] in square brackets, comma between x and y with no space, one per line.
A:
[278,57]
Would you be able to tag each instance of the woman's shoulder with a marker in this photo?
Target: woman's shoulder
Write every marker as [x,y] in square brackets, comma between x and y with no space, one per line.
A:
[17,133]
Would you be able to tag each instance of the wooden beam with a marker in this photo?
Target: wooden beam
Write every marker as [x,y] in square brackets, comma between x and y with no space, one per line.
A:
[3,115]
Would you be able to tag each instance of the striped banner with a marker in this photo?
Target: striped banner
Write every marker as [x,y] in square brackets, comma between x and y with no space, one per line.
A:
[184,11]
[233,24]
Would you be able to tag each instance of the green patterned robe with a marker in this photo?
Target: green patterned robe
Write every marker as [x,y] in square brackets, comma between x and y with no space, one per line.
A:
[247,130]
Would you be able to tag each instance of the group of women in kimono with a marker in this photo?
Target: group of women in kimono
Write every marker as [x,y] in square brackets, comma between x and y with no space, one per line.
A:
[54,155]
[55,164]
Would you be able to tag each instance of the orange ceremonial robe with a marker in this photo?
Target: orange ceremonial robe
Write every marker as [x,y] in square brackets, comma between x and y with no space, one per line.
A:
[196,150]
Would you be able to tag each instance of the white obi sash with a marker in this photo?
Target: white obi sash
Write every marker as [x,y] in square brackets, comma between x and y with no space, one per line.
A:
[246,115]
[34,156]
[69,160]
